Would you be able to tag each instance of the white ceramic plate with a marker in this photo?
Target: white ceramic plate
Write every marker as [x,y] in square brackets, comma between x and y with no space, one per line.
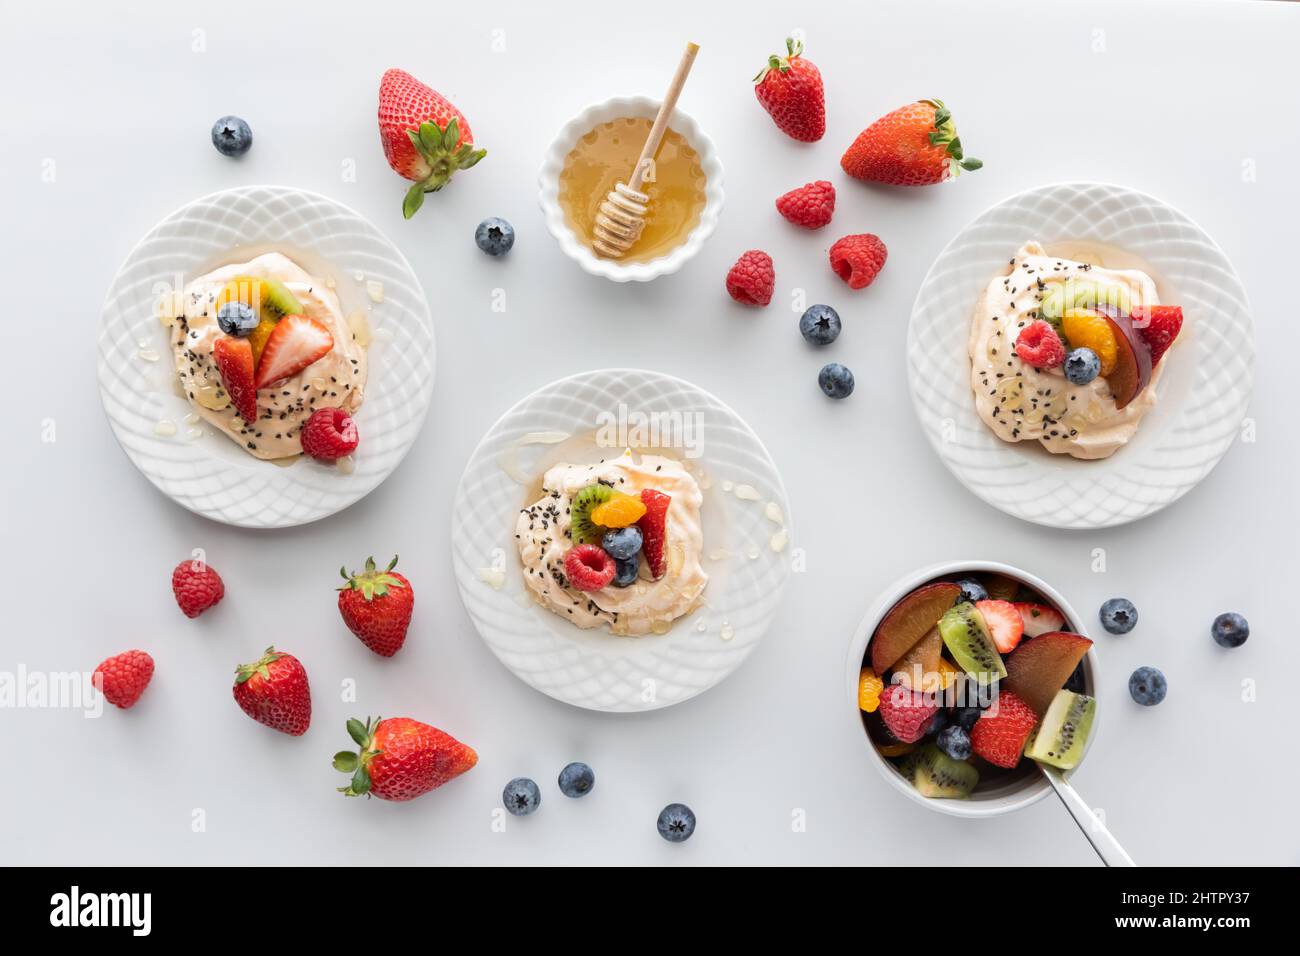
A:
[549,190]
[1204,392]
[592,668]
[210,474]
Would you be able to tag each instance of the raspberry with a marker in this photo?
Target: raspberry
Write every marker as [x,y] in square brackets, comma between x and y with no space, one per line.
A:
[751,279]
[809,206]
[197,587]
[124,677]
[329,434]
[1040,346]
[858,259]
[1000,738]
[907,715]
[589,568]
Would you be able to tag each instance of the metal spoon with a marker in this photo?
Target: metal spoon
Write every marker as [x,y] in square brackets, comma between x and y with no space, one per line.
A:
[1107,847]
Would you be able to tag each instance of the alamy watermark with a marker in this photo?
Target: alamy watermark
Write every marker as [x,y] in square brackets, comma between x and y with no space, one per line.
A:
[629,428]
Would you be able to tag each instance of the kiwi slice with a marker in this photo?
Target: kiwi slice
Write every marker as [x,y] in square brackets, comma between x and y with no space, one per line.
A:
[967,639]
[1052,307]
[1063,732]
[936,775]
[581,528]
[275,295]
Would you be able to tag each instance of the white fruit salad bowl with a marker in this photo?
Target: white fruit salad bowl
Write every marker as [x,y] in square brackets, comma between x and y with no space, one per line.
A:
[577,247]
[1060,634]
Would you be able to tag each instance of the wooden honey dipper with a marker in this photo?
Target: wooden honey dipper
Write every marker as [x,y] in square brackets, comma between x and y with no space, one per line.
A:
[621,216]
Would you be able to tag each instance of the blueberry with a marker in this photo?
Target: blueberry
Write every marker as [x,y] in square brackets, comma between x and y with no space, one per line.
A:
[836,380]
[1148,686]
[622,543]
[1082,366]
[495,236]
[1119,616]
[236,318]
[1230,630]
[676,822]
[521,796]
[938,722]
[965,717]
[576,780]
[231,136]
[1075,682]
[972,590]
[625,572]
[820,324]
[954,741]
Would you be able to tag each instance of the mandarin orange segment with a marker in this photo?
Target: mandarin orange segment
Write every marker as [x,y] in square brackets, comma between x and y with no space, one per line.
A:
[244,289]
[947,673]
[618,512]
[257,338]
[869,689]
[1086,329]
[895,750]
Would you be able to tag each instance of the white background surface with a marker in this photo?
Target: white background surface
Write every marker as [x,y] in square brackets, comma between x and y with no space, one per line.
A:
[1176,99]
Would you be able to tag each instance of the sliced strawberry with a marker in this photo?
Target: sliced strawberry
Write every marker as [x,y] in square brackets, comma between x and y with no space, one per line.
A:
[1158,325]
[234,358]
[1000,733]
[1040,619]
[296,343]
[1003,623]
[654,530]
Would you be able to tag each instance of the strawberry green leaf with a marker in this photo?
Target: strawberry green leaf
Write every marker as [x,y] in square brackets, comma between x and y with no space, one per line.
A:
[358,732]
[413,201]
[361,781]
[450,135]
[430,138]
[345,761]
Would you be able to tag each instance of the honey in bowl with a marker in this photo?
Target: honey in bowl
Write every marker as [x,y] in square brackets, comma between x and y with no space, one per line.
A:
[606,156]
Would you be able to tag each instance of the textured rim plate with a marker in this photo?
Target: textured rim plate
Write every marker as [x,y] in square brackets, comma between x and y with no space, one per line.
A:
[212,476]
[1204,392]
[592,668]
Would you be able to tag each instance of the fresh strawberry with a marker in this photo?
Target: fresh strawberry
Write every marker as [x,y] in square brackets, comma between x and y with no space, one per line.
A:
[1039,619]
[234,360]
[588,567]
[790,89]
[906,713]
[809,206]
[1003,623]
[376,606]
[1158,325]
[1039,344]
[123,677]
[425,137]
[916,145]
[654,530]
[196,586]
[752,278]
[273,691]
[858,259]
[329,434]
[1000,733]
[401,758]
[296,342]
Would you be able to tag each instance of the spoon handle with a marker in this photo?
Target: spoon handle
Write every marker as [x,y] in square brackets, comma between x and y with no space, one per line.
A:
[660,124]
[1107,847]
